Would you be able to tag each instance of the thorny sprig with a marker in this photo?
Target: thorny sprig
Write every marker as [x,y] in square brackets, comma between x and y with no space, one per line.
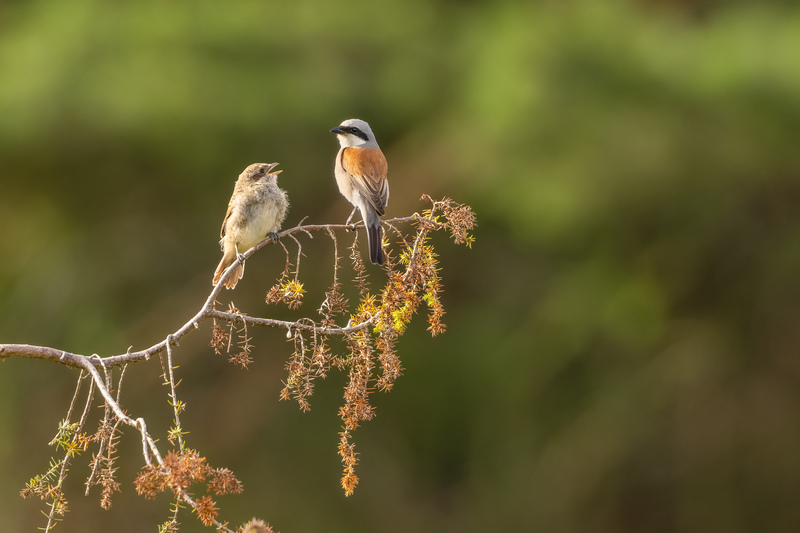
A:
[289,292]
[176,432]
[335,302]
[459,219]
[223,340]
[362,277]
[220,338]
[103,463]
[71,439]
[103,469]
[288,289]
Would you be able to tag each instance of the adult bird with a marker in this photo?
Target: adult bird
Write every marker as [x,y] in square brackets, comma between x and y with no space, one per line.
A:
[360,171]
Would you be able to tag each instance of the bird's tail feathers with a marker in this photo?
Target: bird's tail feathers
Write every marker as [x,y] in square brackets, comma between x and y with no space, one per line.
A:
[375,245]
[236,275]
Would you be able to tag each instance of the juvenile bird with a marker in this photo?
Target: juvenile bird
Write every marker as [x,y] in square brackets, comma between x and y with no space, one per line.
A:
[360,171]
[257,209]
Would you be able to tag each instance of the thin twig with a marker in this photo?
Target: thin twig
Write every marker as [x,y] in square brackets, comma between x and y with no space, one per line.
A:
[173,397]
[290,325]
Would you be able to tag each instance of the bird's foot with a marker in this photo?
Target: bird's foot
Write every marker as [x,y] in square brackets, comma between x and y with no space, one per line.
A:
[274,236]
[350,218]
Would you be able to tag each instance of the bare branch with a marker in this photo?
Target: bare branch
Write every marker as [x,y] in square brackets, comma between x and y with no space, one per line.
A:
[205,312]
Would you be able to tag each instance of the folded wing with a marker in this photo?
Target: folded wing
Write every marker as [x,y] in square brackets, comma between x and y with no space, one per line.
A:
[368,169]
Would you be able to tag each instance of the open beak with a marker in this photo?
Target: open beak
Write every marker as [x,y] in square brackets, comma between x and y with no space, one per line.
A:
[271,167]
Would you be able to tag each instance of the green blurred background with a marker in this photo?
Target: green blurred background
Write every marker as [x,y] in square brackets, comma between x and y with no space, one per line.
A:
[622,343]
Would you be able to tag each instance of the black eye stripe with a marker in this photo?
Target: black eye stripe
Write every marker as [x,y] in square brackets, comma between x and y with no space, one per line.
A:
[358,133]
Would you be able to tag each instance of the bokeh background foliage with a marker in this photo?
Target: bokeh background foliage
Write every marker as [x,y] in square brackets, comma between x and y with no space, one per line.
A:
[622,349]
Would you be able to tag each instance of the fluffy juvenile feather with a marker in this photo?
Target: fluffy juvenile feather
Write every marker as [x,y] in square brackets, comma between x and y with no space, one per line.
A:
[256,209]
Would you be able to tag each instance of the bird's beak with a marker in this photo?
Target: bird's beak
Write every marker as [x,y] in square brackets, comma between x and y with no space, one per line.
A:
[271,167]
[337,130]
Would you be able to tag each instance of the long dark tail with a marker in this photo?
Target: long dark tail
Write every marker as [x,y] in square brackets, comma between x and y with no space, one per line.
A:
[375,248]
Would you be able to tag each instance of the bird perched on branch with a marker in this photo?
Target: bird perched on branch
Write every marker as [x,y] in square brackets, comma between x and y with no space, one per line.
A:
[360,172]
[257,209]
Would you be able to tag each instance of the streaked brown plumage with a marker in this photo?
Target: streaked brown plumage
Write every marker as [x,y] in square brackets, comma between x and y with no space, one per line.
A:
[256,209]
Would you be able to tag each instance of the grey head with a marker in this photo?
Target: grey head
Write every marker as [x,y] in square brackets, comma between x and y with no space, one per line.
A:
[355,132]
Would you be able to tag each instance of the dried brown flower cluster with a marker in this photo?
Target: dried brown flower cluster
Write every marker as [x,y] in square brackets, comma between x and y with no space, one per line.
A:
[182,470]
[256,526]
